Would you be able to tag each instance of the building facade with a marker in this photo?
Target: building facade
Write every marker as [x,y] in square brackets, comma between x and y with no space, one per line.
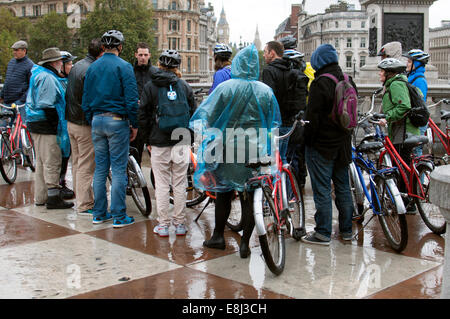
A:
[290,25]
[36,8]
[341,26]
[223,29]
[440,49]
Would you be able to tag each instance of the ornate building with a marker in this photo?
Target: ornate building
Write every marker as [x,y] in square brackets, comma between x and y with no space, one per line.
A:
[35,8]
[257,40]
[341,26]
[440,49]
[223,29]
[290,25]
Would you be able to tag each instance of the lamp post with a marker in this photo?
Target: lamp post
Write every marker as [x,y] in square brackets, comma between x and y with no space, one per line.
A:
[354,67]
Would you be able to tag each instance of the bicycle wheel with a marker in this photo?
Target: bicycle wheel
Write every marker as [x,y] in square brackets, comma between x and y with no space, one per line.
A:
[139,192]
[393,224]
[357,194]
[234,221]
[8,166]
[28,147]
[272,243]
[296,206]
[430,213]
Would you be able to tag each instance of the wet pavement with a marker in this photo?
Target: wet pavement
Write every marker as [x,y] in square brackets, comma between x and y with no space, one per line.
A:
[58,254]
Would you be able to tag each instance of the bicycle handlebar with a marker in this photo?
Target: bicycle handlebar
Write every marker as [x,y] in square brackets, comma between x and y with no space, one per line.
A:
[12,107]
[298,119]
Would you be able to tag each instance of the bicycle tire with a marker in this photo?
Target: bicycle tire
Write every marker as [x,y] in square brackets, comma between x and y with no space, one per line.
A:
[30,158]
[393,224]
[234,221]
[296,207]
[273,241]
[358,208]
[430,213]
[142,201]
[8,166]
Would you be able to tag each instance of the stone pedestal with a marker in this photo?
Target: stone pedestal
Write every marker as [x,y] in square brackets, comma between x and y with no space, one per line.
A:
[439,195]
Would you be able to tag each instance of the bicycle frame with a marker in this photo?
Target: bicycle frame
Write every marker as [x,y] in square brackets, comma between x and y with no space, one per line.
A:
[444,138]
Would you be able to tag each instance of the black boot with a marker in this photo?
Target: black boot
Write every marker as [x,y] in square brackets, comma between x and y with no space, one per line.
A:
[244,249]
[55,200]
[217,241]
[66,192]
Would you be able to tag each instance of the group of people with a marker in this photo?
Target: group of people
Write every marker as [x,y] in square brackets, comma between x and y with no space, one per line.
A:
[93,110]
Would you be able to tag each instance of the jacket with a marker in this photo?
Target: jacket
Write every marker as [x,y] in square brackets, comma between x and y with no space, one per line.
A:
[143,74]
[74,93]
[396,110]
[220,76]
[241,104]
[417,78]
[148,106]
[110,86]
[45,106]
[280,77]
[17,80]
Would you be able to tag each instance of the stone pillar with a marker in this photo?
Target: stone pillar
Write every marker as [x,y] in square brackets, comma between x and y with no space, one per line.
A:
[439,195]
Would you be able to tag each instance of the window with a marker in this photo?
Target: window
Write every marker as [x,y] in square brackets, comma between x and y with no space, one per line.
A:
[336,24]
[174,25]
[189,65]
[37,10]
[189,6]
[363,42]
[24,11]
[155,24]
[349,24]
[189,44]
[173,5]
[363,24]
[65,4]
[52,7]
[336,43]
[362,61]
[155,4]
[174,43]
[157,41]
[349,42]
[348,62]
[188,25]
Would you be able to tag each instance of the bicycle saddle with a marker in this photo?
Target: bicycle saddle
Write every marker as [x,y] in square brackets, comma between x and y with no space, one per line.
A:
[365,146]
[445,115]
[415,140]
[257,165]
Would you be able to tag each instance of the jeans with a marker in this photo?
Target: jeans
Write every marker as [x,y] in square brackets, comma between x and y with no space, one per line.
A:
[111,139]
[322,171]
[283,146]
[418,150]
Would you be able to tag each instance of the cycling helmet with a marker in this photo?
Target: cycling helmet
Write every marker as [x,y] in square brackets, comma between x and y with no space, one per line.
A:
[112,39]
[418,55]
[289,42]
[170,58]
[222,50]
[67,56]
[392,65]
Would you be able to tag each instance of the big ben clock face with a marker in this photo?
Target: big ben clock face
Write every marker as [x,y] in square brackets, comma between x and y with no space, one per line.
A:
[220,31]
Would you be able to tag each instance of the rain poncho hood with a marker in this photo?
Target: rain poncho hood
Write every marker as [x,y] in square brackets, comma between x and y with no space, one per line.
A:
[323,55]
[48,91]
[234,125]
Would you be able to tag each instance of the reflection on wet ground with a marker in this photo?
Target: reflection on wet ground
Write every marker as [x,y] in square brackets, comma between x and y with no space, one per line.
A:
[40,250]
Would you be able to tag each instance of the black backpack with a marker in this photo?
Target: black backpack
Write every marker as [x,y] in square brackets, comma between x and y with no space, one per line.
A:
[419,114]
[173,108]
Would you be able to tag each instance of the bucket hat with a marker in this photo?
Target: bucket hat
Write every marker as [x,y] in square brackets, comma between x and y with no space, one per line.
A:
[50,55]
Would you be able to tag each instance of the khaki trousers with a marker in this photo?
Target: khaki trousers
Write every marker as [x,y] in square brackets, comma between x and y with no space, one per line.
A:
[83,164]
[48,165]
[169,166]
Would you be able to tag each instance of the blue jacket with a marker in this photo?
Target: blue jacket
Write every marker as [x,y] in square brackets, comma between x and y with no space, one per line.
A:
[18,75]
[110,86]
[417,78]
[220,76]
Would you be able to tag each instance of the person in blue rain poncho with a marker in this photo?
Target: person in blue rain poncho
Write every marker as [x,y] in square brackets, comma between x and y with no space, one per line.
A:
[235,123]
[45,110]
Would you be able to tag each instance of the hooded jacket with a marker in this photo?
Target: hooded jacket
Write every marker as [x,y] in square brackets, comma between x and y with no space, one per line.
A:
[143,74]
[241,104]
[148,106]
[417,78]
[220,76]
[17,80]
[322,133]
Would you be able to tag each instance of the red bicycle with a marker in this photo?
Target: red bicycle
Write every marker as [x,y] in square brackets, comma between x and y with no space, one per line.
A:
[16,145]
[437,136]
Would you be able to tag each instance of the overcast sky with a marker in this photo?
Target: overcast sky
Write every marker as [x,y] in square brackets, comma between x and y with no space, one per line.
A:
[244,15]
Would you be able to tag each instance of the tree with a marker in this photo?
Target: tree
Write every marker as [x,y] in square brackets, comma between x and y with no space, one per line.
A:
[131,17]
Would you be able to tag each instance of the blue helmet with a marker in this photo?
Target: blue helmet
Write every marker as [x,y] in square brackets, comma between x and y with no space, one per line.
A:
[418,55]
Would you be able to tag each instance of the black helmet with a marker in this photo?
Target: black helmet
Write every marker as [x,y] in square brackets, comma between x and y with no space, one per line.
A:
[112,39]
[289,42]
[170,58]
[222,50]
[67,56]
[392,65]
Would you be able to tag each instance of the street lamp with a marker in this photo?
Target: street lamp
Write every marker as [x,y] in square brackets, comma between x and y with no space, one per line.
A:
[354,67]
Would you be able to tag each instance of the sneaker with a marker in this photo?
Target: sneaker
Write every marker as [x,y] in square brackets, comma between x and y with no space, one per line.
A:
[347,237]
[162,231]
[312,239]
[85,212]
[125,221]
[101,219]
[67,193]
[180,230]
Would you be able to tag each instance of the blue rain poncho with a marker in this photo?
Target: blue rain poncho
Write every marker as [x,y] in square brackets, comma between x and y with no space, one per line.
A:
[234,126]
[47,91]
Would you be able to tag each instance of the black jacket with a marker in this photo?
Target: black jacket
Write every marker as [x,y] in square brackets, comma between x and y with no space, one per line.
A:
[143,74]
[17,80]
[74,92]
[290,88]
[331,141]
[148,105]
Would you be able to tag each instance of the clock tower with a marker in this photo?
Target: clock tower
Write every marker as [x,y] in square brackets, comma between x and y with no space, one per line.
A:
[223,30]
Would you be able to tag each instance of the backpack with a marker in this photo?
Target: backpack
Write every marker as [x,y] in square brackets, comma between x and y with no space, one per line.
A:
[419,114]
[345,106]
[173,109]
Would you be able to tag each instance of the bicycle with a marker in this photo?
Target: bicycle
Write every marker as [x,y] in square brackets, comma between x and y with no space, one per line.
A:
[275,212]
[12,152]
[383,196]
[434,134]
